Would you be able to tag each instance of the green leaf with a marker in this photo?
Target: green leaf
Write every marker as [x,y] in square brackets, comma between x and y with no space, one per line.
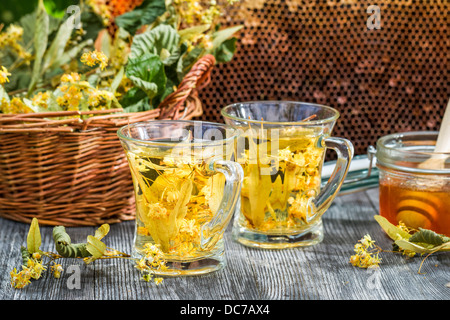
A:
[28,23]
[225,51]
[188,33]
[64,246]
[135,100]
[220,36]
[95,247]
[406,245]
[392,231]
[162,41]
[71,53]
[135,103]
[117,80]
[41,32]
[145,14]
[147,73]
[3,94]
[53,105]
[59,43]
[25,255]
[102,231]
[33,107]
[150,88]
[34,237]
[138,106]
[428,237]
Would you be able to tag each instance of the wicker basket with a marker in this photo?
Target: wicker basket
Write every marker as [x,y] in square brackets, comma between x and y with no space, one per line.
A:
[74,172]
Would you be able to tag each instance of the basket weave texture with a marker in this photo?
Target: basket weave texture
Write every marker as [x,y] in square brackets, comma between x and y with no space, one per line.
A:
[74,172]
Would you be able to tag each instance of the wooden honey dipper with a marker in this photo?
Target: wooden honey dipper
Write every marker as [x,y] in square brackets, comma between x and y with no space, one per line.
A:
[442,144]
[417,209]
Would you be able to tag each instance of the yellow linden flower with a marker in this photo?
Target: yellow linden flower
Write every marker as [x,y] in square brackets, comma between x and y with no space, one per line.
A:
[71,98]
[152,261]
[36,255]
[19,279]
[94,98]
[10,39]
[152,250]
[99,97]
[189,227]
[363,257]
[157,211]
[300,207]
[100,7]
[207,42]
[143,231]
[35,268]
[141,265]
[95,57]
[16,106]
[57,269]
[4,74]
[41,99]
[72,77]
[15,32]
[147,277]
[367,241]
[4,106]
[210,14]
[285,154]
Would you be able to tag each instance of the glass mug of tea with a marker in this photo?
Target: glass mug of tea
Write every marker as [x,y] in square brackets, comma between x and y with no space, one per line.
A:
[186,190]
[281,149]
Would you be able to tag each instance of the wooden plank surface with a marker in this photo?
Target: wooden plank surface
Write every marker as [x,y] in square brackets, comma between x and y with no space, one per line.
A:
[320,272]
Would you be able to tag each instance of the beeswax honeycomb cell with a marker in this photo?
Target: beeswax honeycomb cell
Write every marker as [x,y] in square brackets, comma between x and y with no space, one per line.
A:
[386,80]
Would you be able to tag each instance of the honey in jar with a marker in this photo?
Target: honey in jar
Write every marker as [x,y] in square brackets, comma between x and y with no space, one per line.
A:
[417,205]
[416,195]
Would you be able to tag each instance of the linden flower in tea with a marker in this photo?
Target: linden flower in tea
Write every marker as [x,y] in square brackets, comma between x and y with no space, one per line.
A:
[175,197]
[281,177]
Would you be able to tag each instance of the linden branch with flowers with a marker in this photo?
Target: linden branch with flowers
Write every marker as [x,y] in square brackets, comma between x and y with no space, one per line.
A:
[34,259]
[132,61]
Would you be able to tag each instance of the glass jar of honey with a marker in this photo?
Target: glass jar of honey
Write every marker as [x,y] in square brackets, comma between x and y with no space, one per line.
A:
[414,181]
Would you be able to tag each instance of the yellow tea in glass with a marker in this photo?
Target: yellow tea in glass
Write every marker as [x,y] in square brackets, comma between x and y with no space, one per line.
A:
[186,190]
[281,149]
[282,175]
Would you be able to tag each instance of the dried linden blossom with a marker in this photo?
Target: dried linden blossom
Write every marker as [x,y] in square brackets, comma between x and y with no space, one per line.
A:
[32,270]
[11,38]
[71,93]
[32,257]
[4,74]
[153,260]
[95,57]
[366,253]
[74,90]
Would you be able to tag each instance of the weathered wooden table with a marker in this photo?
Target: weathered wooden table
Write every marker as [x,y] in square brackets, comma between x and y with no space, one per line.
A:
[320,272]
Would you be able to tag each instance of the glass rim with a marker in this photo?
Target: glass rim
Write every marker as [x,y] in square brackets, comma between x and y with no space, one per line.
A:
[235,133]
[381,142]
[383,152]
[335,116]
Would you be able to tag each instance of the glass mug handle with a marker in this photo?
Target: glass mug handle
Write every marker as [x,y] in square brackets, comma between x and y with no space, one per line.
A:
[344,150]
[214,229]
